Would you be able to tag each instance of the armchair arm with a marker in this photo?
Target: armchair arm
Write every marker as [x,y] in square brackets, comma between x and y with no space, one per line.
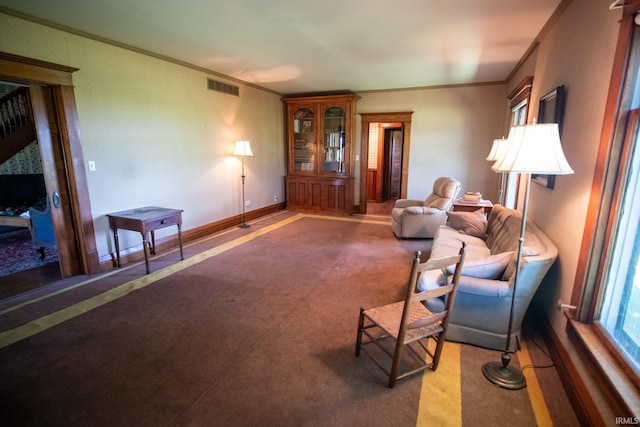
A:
[421,210]
[404,203]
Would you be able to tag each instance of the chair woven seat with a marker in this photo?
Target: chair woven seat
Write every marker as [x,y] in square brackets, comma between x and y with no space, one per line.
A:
[389,316]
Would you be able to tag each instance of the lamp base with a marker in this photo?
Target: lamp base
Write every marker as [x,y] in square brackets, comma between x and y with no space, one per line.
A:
[500,374]
[244,225]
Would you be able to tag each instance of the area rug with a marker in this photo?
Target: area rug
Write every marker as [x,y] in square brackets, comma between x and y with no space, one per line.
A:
[17,253]
[255,327]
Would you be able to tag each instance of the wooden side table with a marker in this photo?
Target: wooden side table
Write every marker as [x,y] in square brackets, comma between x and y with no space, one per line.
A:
[470,206]
[143,220]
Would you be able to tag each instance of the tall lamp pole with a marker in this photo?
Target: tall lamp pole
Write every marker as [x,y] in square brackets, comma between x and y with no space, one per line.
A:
[531,149]
[243,149]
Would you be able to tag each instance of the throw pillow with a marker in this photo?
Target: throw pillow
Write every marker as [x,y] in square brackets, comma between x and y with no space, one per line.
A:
[490,267]
[432,280]
[471,223]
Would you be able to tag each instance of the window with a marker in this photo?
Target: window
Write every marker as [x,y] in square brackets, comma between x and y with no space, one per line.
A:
[519,114]
[619,313]
[519,104]
[605,327]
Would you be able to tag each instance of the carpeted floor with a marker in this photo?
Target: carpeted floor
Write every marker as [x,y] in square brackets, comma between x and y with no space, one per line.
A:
[256,327]
[17,253]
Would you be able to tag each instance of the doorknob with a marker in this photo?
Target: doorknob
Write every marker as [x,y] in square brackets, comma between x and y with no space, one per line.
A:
[56,199]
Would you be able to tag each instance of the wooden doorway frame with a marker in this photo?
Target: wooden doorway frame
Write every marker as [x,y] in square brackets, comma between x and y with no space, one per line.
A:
[401,117]
[57,127]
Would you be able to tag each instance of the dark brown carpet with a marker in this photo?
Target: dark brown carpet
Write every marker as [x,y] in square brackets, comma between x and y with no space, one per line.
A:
[261,334]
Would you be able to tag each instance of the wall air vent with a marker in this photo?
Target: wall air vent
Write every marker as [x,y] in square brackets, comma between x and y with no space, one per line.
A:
[223,87]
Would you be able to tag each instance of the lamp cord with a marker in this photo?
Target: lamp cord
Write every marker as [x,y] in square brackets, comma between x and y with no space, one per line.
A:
[543,351]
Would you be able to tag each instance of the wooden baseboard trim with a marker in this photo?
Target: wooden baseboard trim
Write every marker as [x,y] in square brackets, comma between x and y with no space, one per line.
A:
[577,391]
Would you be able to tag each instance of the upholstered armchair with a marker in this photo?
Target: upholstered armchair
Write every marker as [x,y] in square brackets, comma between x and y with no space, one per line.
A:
[421,218]
[42,228]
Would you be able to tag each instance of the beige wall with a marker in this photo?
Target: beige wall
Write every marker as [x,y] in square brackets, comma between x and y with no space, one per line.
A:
[159,137]
[452,130]
[576,52]
[156,134]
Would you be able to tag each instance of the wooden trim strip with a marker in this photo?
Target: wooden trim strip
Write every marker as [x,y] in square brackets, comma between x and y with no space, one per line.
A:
[404,116]
[619,390]
[16,67]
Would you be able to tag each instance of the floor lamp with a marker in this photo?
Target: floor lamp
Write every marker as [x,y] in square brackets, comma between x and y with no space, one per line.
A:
[531,149]
[498,149]
[243,149]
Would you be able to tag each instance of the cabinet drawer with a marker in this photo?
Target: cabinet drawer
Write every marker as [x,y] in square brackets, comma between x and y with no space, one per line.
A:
[154,224]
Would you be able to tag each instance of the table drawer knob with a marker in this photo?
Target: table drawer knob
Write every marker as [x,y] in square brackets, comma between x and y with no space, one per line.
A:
[164,221]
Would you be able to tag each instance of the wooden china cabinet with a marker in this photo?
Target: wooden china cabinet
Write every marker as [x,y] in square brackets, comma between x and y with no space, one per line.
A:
[320,168]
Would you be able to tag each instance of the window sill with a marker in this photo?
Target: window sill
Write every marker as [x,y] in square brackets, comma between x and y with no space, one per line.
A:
[614,383]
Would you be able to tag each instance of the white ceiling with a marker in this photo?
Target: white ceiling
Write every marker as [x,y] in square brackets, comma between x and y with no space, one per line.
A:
[296,46]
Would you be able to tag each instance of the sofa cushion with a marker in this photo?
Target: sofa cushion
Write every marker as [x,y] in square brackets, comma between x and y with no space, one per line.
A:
[491,267]
[447,242]
[432,279]
[471,223]
[504,234]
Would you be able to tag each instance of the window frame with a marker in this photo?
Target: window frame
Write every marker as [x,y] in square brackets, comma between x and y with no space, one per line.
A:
[632,130]
[615,377]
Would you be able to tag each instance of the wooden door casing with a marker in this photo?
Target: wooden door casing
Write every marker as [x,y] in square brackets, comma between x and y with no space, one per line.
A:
[58,134]
[48,136]
[404,119]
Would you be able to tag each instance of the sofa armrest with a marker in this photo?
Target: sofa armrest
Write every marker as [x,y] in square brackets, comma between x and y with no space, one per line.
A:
[484,287]
[404,203]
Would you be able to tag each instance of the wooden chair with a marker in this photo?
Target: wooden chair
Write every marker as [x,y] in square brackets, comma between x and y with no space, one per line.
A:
[408,325]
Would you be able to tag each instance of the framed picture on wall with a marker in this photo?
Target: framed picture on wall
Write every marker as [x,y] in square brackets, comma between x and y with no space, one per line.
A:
[550,110]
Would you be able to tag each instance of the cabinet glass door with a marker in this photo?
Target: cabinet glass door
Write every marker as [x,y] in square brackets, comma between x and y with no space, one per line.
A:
[334,140]
[304,138]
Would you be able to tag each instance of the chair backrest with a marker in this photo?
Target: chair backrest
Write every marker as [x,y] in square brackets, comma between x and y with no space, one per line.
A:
[445,189]
[42,226]
[410,321]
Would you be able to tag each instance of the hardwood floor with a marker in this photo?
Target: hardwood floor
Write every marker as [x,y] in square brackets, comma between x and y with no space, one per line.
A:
[383,208]
[24,281]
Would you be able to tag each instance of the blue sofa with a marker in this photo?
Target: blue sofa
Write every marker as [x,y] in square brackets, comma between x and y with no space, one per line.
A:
[483,301]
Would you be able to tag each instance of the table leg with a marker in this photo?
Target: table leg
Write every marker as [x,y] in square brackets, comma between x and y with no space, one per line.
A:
[180,240]
[146,251]
[153,242]
[115,238]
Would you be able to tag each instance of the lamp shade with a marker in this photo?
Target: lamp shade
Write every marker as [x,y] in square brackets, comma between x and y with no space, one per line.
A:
[498,149]
[243,148]
[534,148]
